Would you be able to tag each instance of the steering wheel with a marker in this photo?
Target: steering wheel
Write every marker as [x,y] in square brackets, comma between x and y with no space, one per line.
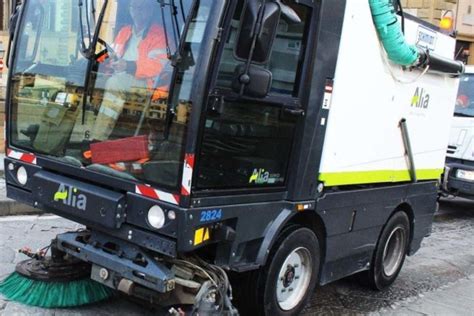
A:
[108,49]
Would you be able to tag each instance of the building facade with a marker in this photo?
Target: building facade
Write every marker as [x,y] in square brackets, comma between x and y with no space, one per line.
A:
[465,30]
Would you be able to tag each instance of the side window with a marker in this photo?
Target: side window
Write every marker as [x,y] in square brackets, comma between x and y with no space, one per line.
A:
[286,54]
[247,141]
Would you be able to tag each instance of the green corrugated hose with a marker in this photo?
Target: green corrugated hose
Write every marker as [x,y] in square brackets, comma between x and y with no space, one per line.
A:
[390,33]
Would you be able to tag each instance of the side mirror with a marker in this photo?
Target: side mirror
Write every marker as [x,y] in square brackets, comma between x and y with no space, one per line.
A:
[256,82]
[13,5]
[288,14]
[257,31]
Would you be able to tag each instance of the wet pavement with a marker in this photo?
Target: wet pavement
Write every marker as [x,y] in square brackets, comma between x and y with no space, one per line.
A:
[438,280]
[445,259]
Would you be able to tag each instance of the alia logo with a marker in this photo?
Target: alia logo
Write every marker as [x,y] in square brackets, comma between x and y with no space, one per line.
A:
[421,99]
[71,197]
[259,176]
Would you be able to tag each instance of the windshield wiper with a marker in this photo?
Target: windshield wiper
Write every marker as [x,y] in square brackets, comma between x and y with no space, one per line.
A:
[88,20]
[81,28]
[462,114]
[173,9]
[89,52]
[176,61]
[165,28]
[183,15]
[174,18]
[97,28]
[177,37]
[177,58]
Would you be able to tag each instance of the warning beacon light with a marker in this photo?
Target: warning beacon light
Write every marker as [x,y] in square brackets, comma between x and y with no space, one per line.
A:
[447,21]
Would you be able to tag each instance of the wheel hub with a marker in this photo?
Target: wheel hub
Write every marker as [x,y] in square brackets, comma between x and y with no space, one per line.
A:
[393,252]
[294,278]
[289,276]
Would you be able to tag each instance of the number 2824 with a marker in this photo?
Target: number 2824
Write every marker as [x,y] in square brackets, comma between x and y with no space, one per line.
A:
[209,216]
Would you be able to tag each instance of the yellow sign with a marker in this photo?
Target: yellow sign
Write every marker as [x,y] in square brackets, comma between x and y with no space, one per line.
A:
[201,235]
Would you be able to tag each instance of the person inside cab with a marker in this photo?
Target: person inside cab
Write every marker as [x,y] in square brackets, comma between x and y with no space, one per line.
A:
[139,56]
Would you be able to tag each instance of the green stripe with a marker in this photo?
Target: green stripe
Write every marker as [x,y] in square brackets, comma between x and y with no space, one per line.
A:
[381,176]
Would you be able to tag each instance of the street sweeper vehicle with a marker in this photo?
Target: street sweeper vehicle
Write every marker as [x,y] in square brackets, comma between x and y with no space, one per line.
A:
[458,178]
[224,156]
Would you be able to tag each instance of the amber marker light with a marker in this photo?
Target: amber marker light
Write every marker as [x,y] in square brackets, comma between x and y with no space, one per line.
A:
[447,21]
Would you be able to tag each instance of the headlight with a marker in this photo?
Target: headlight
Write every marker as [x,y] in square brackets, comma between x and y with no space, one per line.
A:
[465,175]
[22,175]
[156,217]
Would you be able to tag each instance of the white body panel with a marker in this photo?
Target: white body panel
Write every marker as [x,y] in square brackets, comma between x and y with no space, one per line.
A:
[363,134]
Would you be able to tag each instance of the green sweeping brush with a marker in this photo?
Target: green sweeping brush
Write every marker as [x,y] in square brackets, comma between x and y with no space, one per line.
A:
[49,284]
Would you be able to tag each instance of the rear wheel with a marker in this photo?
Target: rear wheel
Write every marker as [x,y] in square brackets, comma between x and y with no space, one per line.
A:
[390,253]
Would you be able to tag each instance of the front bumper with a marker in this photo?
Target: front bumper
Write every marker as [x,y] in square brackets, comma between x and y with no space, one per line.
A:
[117,214]
[457,186]
[115,261]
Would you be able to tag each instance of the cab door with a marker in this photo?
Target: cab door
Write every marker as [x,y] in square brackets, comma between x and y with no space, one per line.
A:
[247,138]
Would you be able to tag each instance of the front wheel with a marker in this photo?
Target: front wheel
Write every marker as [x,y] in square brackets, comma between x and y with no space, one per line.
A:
[291,273]
[390,252]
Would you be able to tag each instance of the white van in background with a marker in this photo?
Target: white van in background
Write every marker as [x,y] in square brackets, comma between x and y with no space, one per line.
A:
[459,173]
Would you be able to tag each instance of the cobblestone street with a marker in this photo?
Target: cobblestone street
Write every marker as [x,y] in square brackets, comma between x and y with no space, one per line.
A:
[438,280]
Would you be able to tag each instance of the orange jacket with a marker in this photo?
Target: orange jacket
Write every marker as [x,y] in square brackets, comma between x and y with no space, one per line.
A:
[151,51]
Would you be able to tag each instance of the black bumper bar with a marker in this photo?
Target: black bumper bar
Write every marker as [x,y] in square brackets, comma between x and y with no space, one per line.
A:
[454,185]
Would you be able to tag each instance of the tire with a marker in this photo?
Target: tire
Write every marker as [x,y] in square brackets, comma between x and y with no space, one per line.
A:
[293,263]
[390,252]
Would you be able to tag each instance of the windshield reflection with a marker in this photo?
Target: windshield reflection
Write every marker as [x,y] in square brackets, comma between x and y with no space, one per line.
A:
[105,105]
[465,99]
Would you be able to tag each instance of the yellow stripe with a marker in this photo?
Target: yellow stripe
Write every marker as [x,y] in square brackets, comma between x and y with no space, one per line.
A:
[207,236]
[382,176]
[198,236]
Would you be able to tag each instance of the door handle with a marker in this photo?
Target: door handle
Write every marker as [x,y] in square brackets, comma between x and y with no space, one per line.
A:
[294,111]
[216,103]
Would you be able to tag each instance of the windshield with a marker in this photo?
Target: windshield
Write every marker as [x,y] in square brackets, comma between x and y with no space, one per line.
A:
[105,107]
[465,99]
